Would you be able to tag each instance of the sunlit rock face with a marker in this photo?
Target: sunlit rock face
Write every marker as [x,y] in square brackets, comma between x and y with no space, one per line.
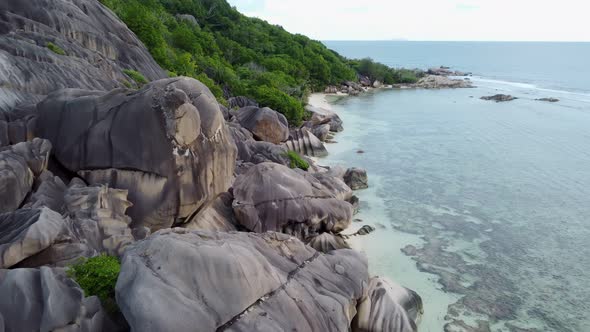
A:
[167,144]
[97,47]
[238,282]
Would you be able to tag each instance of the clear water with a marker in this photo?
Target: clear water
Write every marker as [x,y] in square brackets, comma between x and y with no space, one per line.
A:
[491,201]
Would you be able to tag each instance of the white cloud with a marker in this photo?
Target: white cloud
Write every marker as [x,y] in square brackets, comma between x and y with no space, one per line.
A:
[535,20]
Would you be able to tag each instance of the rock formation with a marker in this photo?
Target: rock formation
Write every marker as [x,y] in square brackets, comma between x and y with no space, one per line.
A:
[237,282]
[441,82]
[252,151]
[550,99]
[320,116]
[499,98]
[167,144]
[304,142]
[264,123]
[240,102]
[327,242]
[97,47]
[45,299]
[387,307]
[356,178]
[272,197]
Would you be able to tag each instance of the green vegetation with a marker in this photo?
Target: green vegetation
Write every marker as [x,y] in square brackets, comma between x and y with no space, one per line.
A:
[136,76]
[98,276]
[297,161]
[378,71]
[55,49]
[237,55]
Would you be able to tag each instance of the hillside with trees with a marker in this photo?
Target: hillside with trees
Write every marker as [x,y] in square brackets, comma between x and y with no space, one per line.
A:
[238,55]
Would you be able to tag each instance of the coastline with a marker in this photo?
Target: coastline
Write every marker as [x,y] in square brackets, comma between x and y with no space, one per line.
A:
[383,246]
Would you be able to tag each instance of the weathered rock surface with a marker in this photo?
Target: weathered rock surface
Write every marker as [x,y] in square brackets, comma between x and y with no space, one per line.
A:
[273,281]
[356,178]
[442,82]
[97,46]
[256,152]
[17,125]
[306,143]
[264,123]
[240,102]
[26,232]
[327,242]
[167,144]
[499,98]
[45,299]
[320,116]
[387,307]
[16,180]
[218,216]
[273,197]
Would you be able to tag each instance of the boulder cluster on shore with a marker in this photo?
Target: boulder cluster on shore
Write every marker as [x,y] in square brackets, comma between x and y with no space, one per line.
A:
[218,216]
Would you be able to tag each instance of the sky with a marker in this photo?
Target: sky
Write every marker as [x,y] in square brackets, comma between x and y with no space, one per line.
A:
[461,20]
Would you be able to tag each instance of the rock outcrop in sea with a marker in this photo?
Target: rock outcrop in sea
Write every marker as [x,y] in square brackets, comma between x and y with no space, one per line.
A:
[214,229]
[498,98]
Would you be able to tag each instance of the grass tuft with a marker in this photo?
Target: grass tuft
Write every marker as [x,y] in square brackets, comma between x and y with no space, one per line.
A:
[297,161]
[55,49]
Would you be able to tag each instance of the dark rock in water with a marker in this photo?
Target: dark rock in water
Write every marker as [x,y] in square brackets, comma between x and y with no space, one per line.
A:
[365,230]
[499,98]
[320,116]
[360,151]
[273,281]
[45,299]
[355,202]
[264,123]
[322,131]
[410,250]
[167,144]
[273,197]
[387,307]
[356,178]
[550,100]
[327,242]
[240,102]
[256,152]
[358,220]
[97,47]
[306,143]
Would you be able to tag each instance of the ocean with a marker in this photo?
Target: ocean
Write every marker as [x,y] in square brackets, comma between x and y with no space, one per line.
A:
[483,208]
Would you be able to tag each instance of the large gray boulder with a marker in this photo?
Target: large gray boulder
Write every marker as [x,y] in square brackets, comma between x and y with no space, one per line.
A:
[256,152]
[264,123]
[16,180]
[320,116]
[45,299]
[356,178]
[26,232]
[167,144]
[327,242]
[304,142]
[178,280]
[218,216]
[442,82]
[387,307]
[97,46]
[273,197]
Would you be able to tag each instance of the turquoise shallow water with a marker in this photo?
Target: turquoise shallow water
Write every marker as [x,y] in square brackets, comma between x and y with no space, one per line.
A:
[497,195]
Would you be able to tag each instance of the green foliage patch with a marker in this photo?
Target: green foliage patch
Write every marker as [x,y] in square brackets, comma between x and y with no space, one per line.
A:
[98,276]
[136,76]
[297,161]
[55,49]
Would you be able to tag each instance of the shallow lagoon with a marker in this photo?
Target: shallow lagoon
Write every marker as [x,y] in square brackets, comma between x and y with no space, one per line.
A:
[489,200]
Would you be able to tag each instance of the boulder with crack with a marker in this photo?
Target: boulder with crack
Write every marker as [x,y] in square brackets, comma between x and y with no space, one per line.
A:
[45,299]
[387,307]
[256,152]
[215,216]
[167,144]
[273,197]
[213,281]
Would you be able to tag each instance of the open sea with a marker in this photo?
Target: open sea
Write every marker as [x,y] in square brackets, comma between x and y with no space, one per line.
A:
[483,208]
